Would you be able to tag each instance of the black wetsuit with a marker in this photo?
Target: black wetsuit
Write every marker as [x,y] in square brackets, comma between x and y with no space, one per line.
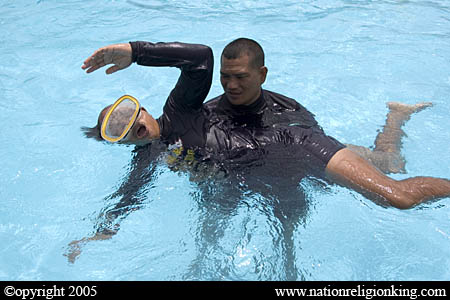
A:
[273,126]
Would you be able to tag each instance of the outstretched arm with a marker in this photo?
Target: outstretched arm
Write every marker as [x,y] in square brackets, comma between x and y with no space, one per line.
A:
[350,170]
[195,61]
[132,192]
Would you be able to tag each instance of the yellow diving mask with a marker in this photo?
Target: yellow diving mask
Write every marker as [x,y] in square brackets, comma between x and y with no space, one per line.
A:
[120,118]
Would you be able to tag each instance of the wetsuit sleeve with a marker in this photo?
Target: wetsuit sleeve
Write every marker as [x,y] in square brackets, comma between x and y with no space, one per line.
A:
[195,62]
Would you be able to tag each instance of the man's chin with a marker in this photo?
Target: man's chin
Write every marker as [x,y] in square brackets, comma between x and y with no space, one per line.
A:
[235,99]
[141,142]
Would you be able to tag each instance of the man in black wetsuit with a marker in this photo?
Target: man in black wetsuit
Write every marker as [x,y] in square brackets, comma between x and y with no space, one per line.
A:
[248,123]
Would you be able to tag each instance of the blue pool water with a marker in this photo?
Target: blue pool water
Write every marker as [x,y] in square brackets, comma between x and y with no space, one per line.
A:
[343,60]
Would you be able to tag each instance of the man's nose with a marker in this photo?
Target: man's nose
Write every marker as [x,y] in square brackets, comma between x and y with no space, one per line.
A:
[232,84]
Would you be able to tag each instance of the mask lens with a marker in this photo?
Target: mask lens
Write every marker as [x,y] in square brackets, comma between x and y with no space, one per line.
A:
[120,118]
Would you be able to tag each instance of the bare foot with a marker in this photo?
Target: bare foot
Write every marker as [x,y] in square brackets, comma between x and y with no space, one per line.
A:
[408,108]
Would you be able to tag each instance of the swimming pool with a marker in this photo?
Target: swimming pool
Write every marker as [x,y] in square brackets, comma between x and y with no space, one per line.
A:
[343,60]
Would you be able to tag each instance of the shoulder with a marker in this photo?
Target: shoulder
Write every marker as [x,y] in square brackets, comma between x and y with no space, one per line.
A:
[212,103]
[280,100]
[214,100]
[284,103]
[289,108]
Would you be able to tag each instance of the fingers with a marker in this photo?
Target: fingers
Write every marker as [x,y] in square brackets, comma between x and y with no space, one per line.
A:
[95,61]
[113,69]
[74,250]
[119,55]
[92,68]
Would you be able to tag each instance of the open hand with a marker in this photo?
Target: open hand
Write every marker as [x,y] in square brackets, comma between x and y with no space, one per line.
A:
[119,55]
[74,249]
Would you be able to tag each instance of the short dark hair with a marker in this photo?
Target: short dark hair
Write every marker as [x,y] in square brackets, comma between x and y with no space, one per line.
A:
[94,132]
[245,46]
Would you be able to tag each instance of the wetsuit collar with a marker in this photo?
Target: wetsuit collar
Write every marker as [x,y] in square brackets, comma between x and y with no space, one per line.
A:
[254,108]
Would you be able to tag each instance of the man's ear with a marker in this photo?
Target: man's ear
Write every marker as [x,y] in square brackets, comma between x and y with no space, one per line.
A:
[263,72]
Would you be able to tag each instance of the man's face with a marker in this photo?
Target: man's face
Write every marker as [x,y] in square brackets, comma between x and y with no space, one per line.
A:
[241,81]
[142,132]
